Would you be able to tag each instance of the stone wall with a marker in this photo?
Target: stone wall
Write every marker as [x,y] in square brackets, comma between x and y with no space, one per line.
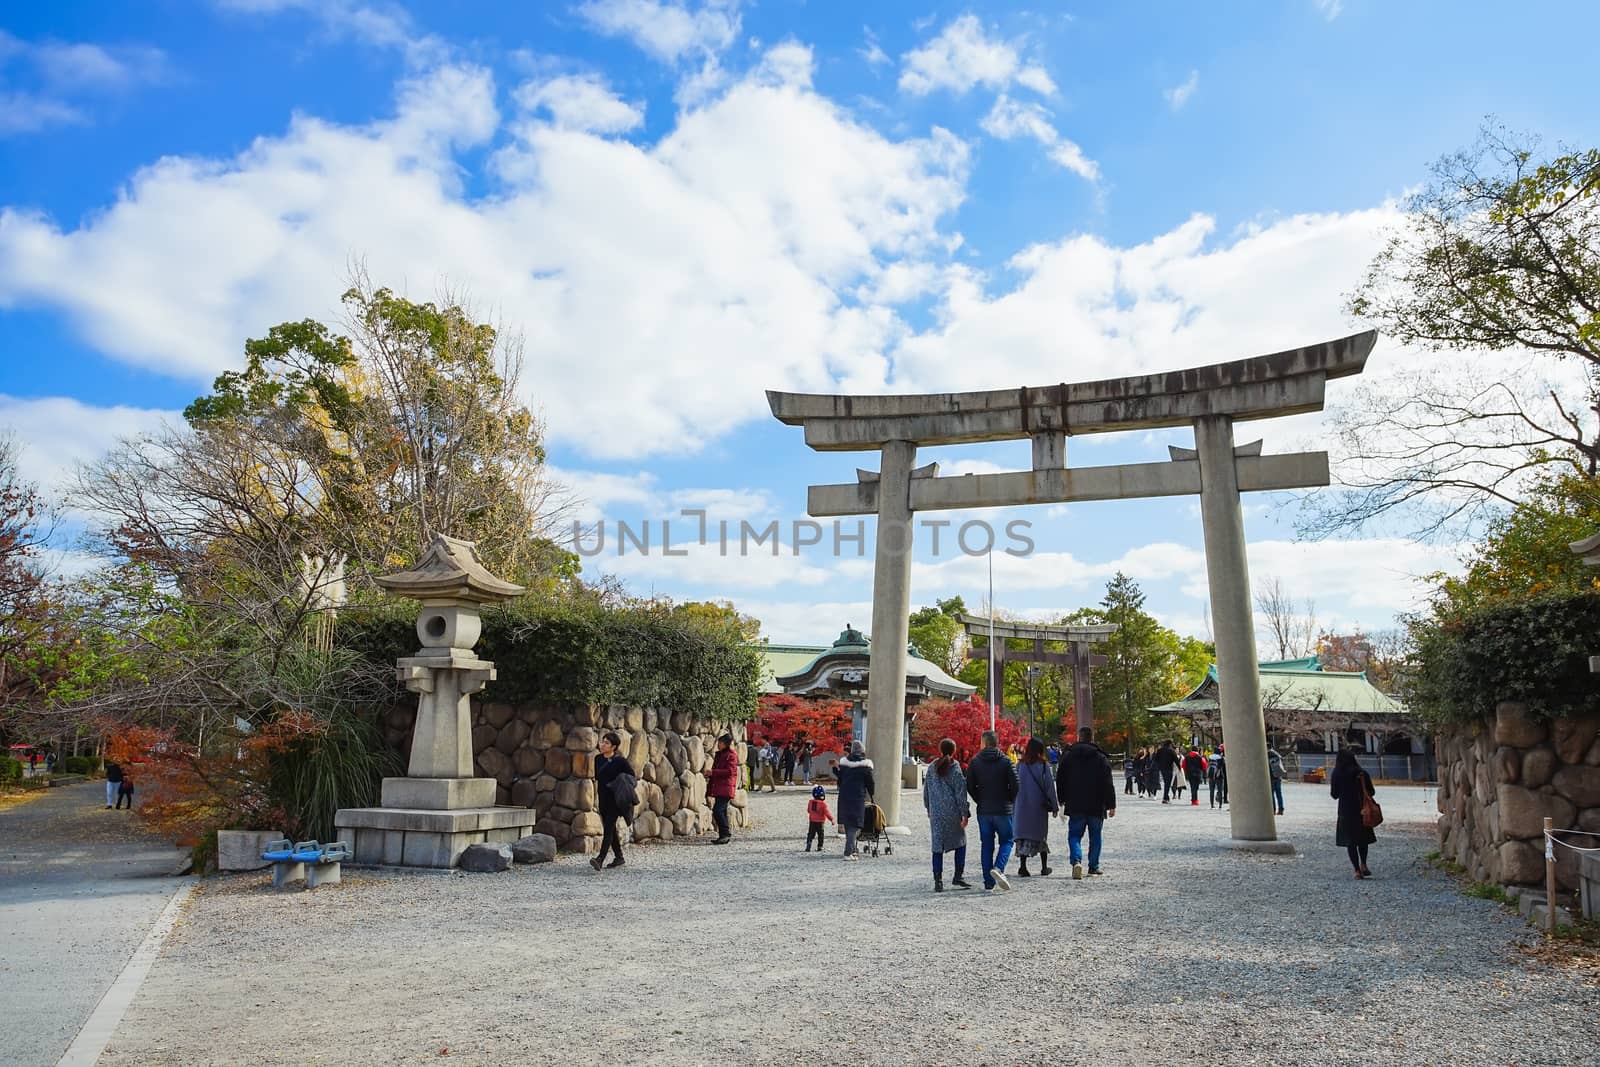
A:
[1499,779]
[543,758]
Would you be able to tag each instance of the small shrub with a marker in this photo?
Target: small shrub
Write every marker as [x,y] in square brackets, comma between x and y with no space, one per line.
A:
[1487,891]
[80,765]
[10,769]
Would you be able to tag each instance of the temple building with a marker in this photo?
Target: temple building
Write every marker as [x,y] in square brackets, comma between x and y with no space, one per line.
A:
[1312,713]
[841,671]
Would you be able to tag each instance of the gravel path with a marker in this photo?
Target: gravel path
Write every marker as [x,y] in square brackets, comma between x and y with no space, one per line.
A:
[79,888]
[758,953]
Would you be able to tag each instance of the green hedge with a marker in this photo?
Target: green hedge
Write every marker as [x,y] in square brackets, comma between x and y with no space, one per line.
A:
[580,653]
[10,769]
[80,765]
[1536,652]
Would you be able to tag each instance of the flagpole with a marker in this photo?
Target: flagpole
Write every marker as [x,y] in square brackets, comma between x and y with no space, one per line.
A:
[991,636]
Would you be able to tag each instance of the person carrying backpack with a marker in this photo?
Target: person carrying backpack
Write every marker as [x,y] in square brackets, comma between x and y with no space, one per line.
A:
[1219,779]
[1275,771]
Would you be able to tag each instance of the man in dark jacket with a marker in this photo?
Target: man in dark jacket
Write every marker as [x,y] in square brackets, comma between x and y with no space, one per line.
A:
[1088,798]
[992,783]
[113,783]
[1167,760]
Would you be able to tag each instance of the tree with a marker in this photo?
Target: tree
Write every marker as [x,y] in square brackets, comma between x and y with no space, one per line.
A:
[721,613]
[1500,253]
[1147,664]
[781,717]
[939,636]
[964,723]
[1291,627]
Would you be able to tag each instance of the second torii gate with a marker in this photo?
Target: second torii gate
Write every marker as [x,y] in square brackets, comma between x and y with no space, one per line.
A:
[1209,399]
[1077,657]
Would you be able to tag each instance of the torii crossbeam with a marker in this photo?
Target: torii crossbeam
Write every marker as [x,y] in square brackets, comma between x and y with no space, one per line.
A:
[1210,399]
[1077,657]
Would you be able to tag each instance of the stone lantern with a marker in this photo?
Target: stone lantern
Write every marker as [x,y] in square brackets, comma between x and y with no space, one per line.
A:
[429,817]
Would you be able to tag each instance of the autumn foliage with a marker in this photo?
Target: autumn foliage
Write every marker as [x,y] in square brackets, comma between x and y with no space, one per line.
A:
[781,718]
[962,722]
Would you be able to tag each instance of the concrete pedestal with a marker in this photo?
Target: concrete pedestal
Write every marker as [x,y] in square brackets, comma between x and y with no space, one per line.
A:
[437,794]
[418,837]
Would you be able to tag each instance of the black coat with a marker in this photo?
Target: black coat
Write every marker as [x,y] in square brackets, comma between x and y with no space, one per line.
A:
[606,772]
[1083,782]
[855,786]
[1350,788]
[992,782]
[1167,760]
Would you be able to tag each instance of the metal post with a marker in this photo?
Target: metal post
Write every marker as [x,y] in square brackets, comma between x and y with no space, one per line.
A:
[1250,812]
[891,620]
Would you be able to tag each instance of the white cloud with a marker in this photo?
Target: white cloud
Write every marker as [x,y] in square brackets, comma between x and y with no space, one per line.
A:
[639,274]
[1330,9]
[789,63]
[668,31]
[963,56]
[379,25]
[872,52]
[580,102]
[1179,95]
[28,112]
[58,433]
[90,66]
[1010,119]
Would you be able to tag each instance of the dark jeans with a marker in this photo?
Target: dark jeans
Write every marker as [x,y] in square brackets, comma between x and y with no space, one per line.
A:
[815,831]
[125,795]
[1166,786]
[1277,793]
[961,862]
[719,815]
[995,833]
[610,840]
[1194,788]
[1357,854]
[1127,786]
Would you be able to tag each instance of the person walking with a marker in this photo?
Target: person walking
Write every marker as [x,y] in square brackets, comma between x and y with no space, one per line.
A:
[817,818]
[767,760]
[615,783]
[855,787]
[1275,771]
[752,759]
[113,783]
[944,797]
[1130,764]
[807,749]
[1166,761]
[1194,769]
[1036,802]
[1351,786]
[1088,798]
[1218,790]
[789,757]
[992,783]
[125,790]
[722,782]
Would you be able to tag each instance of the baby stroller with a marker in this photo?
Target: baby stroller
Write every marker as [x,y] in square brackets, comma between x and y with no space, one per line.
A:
[873,835]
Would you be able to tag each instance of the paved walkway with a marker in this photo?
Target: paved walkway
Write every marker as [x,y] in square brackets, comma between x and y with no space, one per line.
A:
[757,953]
[79,888]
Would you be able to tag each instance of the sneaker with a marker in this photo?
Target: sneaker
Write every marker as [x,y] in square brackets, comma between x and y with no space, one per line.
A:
[1096,870]
[596,863]
[618,862]
[1002,881]
[1077,872]
[853,856]
[725,840]
[961,883]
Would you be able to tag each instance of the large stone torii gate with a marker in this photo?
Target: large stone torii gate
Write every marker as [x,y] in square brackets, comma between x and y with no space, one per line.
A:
[1077,658]
[1210,398]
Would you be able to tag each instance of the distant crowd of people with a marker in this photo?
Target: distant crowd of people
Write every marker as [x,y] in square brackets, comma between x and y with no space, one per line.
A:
[1014,795]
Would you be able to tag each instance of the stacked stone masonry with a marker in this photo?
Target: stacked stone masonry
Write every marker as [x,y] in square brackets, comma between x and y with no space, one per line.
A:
[1499,779]
[543,758]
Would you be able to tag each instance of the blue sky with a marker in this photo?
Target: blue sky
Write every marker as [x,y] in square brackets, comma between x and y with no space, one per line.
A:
[680,204]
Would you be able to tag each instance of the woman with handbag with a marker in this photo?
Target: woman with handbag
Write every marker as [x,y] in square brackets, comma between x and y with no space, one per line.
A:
[1036,802]
[616,784]
[1358,811]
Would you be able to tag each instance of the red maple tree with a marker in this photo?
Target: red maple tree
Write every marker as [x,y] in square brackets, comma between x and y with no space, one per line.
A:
[781,717]
[964,723]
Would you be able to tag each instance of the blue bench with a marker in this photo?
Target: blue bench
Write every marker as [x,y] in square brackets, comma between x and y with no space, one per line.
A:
[314,863]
